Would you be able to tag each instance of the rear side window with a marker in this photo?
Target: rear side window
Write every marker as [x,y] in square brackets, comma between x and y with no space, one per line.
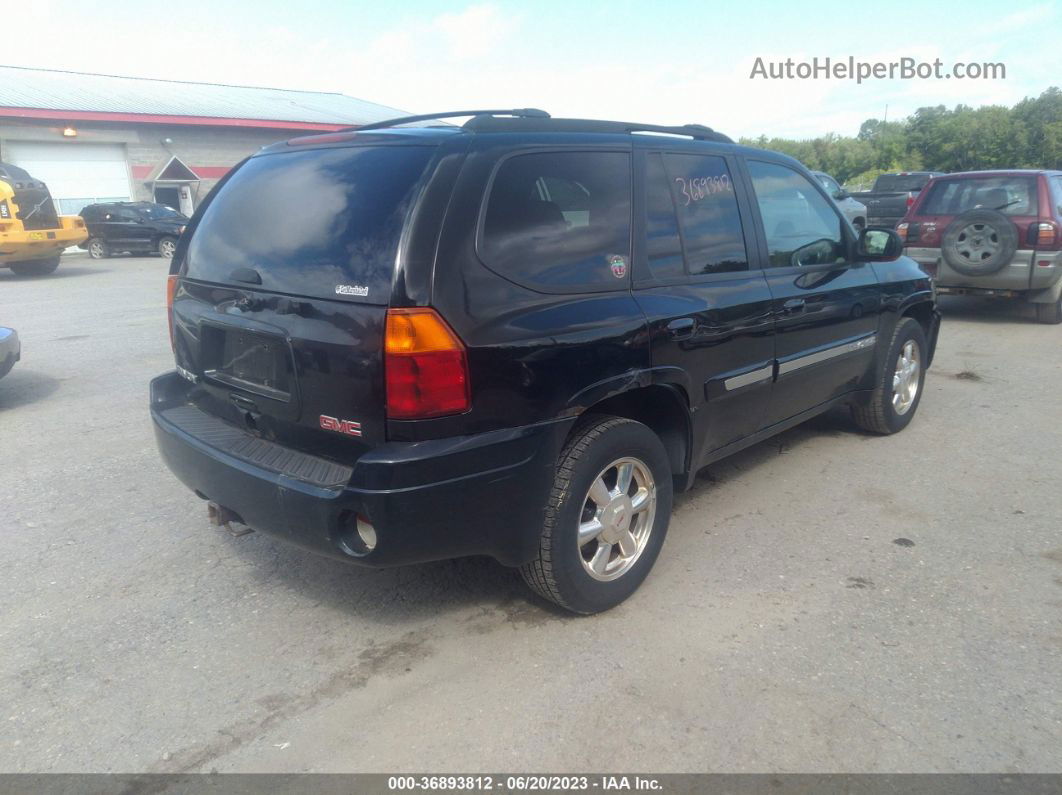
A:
[1008,195]
[801,227]
[900,183]
[322,223]
[560,221]
[703,192]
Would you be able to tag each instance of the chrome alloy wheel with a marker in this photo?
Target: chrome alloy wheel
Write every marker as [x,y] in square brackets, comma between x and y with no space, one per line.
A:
[905,379]
[96,249]
[166,248]
[617,518]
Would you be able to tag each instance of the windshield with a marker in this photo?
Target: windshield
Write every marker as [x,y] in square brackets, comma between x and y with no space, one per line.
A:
[828,183]
[1008,195]
[322,223]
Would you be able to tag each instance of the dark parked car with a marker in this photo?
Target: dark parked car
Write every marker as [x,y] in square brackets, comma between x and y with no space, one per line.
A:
[992,233]
[133,227]
[517,337]
[892,195]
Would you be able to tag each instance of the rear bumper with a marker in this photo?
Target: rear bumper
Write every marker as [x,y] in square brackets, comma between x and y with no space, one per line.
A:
[1027,271]
[22,246]
[472,495]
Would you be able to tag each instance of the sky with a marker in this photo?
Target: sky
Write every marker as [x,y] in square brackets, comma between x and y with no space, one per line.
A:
[665,62]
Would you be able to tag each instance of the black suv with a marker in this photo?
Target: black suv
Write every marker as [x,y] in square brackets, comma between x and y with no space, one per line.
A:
[517,338]
[134,227]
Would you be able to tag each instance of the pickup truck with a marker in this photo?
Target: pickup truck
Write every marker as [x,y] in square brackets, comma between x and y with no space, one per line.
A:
[892,195]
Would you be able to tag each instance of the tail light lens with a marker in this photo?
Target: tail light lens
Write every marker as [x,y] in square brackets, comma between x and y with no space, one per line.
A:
[910,201]
[425,366]
[901,230]
[1042,234]
[171,290]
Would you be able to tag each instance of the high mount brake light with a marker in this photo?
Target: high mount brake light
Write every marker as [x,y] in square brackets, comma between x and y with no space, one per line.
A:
[425,366]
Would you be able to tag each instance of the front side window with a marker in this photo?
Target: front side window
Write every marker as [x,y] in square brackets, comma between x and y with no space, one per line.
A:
[703,192]
[801,227]
[1008,195]
[560,221]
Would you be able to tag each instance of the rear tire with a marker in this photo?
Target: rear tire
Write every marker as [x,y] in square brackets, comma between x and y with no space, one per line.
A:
[36,267]
[97,249]
[600,540]
[1049,313]
[899,387]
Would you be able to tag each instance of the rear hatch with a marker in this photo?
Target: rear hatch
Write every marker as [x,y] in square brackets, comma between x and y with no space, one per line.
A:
[281,303]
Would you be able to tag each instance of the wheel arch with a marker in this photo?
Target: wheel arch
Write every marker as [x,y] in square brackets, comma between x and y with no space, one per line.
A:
[664,409]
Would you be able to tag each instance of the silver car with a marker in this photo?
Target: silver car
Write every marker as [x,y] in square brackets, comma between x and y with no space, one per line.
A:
[10,350]
[855,212]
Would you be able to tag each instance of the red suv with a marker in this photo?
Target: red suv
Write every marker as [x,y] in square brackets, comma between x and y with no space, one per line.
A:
[994,233]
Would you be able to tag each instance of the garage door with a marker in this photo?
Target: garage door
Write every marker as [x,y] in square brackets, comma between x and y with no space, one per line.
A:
[77,174]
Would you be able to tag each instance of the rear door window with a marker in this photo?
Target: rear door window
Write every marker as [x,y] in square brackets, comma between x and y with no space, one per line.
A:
[663,242]
[1010,195]
[703,192]
[560,221]
[324,223]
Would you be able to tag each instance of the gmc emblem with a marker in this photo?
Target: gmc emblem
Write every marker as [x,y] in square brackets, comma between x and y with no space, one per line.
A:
[349,427]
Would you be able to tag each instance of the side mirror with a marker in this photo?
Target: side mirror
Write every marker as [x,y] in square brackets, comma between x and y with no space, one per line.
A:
[841,195]
[878,244]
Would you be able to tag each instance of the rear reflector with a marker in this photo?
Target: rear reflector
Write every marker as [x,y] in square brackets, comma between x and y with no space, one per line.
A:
[171,290]
[425,366]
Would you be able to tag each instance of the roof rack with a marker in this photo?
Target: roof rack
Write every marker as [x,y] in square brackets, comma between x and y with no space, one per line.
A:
[486,123]
[530,113]
[535,120]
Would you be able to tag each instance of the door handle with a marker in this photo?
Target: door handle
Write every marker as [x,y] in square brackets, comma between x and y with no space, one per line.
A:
[681,328]
[793,306]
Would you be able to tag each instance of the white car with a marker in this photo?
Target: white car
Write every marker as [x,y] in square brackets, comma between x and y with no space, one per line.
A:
[855,212]
[10,350]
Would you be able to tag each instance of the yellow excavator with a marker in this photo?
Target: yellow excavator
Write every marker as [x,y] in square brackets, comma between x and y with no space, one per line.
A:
[32,235]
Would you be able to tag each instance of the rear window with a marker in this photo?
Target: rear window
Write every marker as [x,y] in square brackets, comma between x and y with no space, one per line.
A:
[887,183]
[323,223]
[560,221]
[1008,195]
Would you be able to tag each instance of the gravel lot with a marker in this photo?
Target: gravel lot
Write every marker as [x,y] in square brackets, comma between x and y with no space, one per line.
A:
[783,628]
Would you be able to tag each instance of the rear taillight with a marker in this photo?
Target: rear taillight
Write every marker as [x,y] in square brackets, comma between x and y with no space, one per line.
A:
[1042,234]
[171,290]
[425,366]
[910,201]
[901,230]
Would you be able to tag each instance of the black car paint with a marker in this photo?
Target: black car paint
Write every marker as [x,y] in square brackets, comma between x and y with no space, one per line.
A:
[137,236]
[477,483]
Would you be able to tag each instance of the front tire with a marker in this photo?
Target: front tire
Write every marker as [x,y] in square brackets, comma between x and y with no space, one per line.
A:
[606,516]
[900,383]
[97,249]
[36,267]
